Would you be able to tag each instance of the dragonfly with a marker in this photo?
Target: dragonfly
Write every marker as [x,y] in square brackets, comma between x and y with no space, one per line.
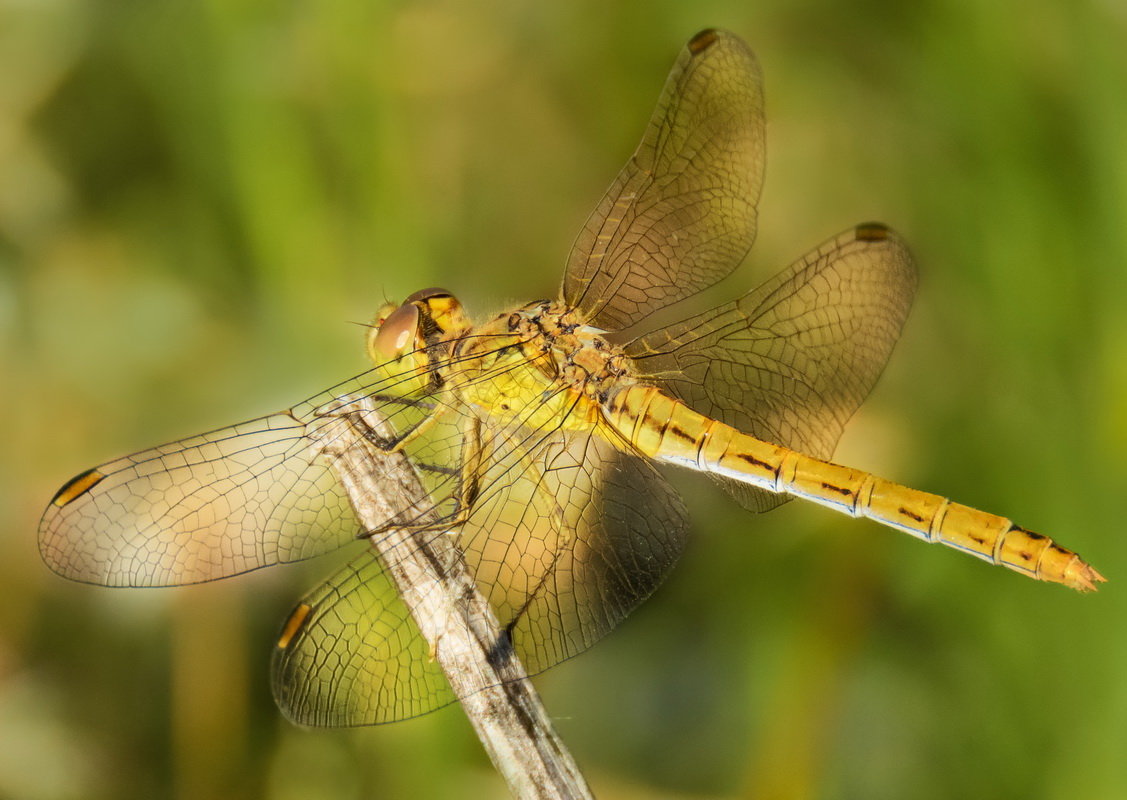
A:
[539,435]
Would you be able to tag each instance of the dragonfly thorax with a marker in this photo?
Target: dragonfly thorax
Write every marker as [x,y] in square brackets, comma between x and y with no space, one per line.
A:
[537,361]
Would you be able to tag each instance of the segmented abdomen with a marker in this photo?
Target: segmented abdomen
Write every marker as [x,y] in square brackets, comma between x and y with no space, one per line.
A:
[667,430]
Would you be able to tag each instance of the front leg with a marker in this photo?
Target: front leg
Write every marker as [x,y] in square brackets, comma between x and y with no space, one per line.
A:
[468,474]
[459,488]
[397,441]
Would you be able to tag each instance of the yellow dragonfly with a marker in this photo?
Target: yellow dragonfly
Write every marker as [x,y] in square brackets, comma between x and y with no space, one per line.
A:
[538,434]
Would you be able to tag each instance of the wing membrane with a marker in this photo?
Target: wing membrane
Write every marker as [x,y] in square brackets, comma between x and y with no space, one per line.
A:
[566,551]
[791,361]
[213,505]
[682,213]
[355,656]
[557,540]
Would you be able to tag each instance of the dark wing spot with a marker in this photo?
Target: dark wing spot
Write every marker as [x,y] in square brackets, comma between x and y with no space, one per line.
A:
[294,625]
[872,232]
[76,487]
[702,41]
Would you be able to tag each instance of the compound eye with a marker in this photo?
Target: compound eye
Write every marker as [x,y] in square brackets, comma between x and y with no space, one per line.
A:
[427,294]
[396,334]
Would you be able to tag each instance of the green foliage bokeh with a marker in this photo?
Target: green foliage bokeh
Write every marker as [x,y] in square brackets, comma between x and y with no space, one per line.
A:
[198,199]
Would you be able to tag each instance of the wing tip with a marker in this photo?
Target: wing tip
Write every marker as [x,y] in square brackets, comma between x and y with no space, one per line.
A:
[872,232]
[295,623]
[703,40]
[77,486]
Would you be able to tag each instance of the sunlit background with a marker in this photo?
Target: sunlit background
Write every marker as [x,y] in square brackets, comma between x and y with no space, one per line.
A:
[198,200]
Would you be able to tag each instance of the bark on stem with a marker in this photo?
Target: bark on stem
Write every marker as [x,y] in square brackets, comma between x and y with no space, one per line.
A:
[456,620]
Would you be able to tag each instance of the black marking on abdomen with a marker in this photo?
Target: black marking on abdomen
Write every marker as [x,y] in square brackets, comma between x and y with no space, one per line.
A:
[909,514]
[680,433]
[755,462]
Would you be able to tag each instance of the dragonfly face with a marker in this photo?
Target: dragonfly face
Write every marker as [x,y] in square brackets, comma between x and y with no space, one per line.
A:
[427,322]
[537,440]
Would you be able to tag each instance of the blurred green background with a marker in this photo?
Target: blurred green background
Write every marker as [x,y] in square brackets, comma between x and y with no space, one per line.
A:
[197,199]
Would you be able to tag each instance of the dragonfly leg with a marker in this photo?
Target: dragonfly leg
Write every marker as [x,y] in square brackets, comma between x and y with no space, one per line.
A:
[470,485]
[467,473]
[396,442]
[426,405]
[470,473]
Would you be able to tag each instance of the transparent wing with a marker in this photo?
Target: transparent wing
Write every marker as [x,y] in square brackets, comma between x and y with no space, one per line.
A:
[566,536]
[216,504]
[568,550]
[351,654]
[792,360]
[682,213]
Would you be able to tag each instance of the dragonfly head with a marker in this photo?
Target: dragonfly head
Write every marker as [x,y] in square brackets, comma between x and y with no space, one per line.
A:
[426,318]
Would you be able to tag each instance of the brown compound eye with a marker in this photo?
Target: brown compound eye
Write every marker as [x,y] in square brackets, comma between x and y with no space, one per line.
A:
[427,294]
[396,334]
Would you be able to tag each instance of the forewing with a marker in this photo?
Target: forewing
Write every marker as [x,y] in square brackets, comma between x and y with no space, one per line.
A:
[682,213]
[792,360]
[216,504]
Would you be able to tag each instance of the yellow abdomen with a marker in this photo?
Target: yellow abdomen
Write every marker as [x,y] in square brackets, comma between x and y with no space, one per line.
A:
[667,430]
